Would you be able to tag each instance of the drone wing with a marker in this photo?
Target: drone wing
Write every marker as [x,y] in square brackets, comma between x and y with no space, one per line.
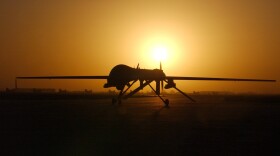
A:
[64,77]
[215,79]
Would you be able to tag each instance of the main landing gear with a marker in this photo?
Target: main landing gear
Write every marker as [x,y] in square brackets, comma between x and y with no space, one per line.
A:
[166,101]
[170,84]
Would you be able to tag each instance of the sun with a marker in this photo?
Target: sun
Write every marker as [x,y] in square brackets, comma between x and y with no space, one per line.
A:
[159,52]
[160,48]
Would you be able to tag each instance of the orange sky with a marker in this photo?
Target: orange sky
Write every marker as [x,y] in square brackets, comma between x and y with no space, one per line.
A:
[204,38]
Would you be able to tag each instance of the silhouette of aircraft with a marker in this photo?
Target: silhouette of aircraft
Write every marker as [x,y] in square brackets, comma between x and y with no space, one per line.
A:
[124,77]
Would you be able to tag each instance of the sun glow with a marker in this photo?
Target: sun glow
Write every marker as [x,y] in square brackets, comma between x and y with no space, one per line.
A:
[164,48]
[159,53]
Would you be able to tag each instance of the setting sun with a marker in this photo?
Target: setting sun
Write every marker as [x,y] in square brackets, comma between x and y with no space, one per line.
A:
[160,47]
[159,53]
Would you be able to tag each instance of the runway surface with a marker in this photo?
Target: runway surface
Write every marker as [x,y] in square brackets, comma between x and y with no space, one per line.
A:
[139,126]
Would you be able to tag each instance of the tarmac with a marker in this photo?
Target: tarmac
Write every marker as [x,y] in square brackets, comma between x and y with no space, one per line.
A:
[139,126]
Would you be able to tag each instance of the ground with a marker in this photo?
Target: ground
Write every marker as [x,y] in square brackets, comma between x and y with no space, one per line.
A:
[140,126]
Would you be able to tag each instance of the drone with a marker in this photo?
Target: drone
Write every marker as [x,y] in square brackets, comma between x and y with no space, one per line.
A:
[123,77]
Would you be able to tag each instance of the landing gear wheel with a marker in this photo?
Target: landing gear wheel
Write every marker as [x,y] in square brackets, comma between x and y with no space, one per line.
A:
[119,101]
[114,100]
[166,102]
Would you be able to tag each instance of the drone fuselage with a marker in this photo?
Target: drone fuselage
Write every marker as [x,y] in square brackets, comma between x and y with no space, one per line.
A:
[121,75]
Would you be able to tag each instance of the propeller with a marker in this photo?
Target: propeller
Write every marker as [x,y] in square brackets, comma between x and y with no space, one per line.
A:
[161,82]
[161,85]
[138,66]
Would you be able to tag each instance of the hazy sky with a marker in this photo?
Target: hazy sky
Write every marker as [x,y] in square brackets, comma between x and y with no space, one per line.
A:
[214,38]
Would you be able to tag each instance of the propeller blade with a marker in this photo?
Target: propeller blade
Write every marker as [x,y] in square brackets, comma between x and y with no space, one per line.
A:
[137,66]
[160,67]
[161,85]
